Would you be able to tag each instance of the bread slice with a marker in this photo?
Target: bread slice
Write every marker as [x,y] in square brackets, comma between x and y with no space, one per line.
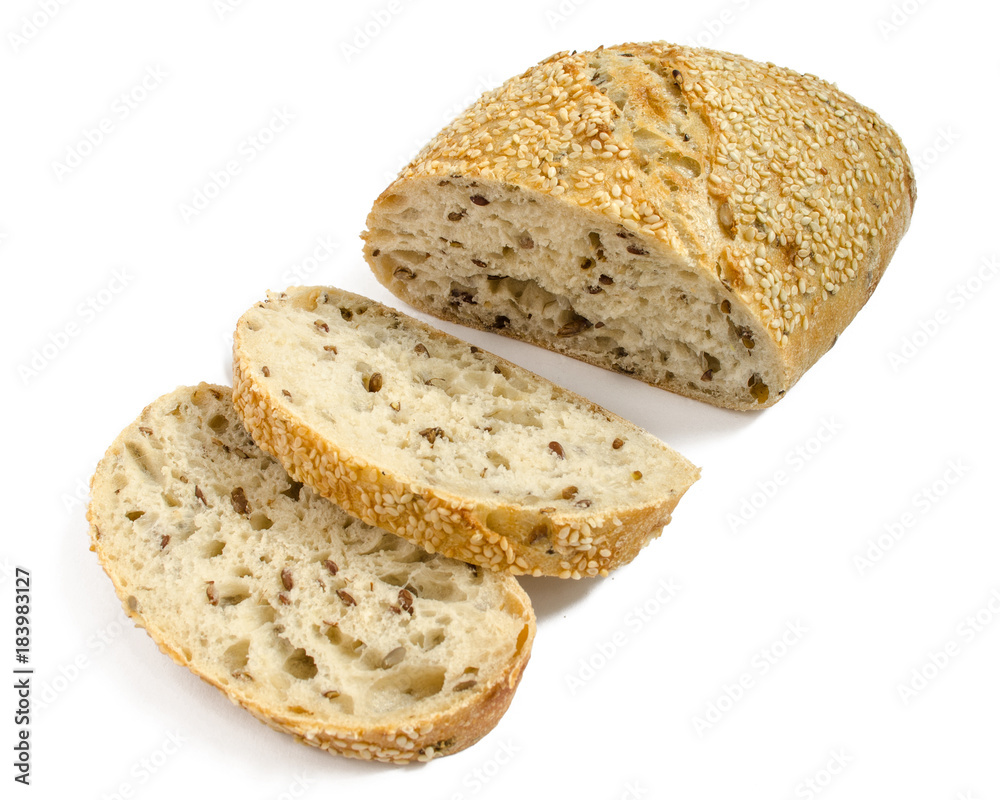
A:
[345,636]
[445,444]
[706,223]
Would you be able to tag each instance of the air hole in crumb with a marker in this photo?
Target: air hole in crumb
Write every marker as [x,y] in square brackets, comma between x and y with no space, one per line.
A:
[758,389]
[292,492]
[301,665]
[260,521]
[218,423]
[214,548]
[134,515]
[403,686]
[498,460]
[522,637]
[138,454]
[237,655]
[349,646]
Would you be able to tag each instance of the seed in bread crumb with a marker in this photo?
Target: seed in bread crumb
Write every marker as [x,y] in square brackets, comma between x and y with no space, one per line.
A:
[394,405]
[406,601]
[331,567]
[419,349]
[240,503]
[375,382]
[331,694]
[347,314]
[725,306]
[525,242]
[583,503]
[211,593]
[286,578]
[200,495]
[284,599]
[346,597]
[617,444]
[330,348]
[479,200]
[393,657]
[432,434]
[287,393]
[636,475]
[164,540]
[557,448]
[461,687]
[266,371]
[569,492]
[322,326]
[404,274]
[480,263]
[146,431]
[455,216]
[606,280]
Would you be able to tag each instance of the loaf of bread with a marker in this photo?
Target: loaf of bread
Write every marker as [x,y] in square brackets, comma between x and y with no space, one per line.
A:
[703,222]
[345,636]
[447,445]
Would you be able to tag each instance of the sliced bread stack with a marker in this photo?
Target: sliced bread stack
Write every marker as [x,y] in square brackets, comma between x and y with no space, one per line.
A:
[389,625]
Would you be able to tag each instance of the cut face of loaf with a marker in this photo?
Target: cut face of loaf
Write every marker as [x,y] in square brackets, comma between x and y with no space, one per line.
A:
[703,222]
[445,444]
[347,637]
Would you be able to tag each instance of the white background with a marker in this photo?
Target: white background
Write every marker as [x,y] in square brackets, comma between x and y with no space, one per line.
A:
[896,426]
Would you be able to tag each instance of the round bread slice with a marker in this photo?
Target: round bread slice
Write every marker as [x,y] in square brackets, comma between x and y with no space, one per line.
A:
[703,222]
[345,636]
[445,444]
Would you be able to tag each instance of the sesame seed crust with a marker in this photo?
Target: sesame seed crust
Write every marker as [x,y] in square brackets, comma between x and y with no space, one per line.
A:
[775,185]
[499,534]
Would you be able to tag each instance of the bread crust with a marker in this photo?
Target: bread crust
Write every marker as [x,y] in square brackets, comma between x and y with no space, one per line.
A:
[496,535]
[404,739]
[783,191]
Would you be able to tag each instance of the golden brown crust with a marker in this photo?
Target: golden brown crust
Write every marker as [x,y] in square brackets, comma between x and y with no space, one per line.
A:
[419,739]
[495,535]
[784,189]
